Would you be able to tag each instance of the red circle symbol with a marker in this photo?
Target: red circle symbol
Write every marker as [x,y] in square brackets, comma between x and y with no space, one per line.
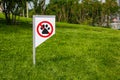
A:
[40,26]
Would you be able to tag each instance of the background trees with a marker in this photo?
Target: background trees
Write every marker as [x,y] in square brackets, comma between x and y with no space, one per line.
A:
[91,12]
[39,6]
[12,8]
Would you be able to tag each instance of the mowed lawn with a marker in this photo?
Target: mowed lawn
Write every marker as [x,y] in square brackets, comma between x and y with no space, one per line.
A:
[75,52]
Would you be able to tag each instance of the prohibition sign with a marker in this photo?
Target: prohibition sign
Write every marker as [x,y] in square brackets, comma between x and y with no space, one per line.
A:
[40,26]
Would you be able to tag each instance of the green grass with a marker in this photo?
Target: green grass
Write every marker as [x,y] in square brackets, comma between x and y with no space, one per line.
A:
[18,18]
[75,52]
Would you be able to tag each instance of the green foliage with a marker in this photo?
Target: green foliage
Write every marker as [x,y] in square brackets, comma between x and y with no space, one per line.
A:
[75,12]
[87,21]
[14,8]
[31,13]
[75,52]
[39,6]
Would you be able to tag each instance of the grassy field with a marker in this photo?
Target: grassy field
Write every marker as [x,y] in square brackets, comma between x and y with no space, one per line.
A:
[75,52]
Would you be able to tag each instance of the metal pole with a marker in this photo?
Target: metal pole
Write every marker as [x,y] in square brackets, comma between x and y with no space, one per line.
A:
[34,54]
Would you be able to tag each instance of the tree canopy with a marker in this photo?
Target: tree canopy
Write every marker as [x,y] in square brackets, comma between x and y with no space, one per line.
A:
[12,8]
[91,12]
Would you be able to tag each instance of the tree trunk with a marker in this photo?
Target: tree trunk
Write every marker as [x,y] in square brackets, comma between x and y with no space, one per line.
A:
[7,16]
[23,13]
[27,10]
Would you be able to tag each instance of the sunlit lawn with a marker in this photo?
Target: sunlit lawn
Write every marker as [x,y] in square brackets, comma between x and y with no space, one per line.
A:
[75,52]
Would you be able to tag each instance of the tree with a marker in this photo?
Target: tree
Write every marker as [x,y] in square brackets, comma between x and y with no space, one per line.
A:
[111,8]
[91,12]
[39,6]
[12,7]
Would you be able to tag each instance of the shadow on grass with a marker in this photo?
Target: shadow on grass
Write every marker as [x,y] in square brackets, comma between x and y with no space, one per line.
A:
[21,24]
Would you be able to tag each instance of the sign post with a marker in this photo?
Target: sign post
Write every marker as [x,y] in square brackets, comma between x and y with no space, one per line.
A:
[43,29]
[34,54]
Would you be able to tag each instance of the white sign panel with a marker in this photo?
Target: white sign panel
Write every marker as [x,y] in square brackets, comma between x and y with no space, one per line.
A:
[44,28]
